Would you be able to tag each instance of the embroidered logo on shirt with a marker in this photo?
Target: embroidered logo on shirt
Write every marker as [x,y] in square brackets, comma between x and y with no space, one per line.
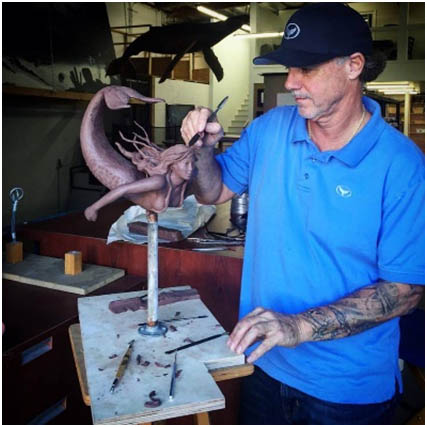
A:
[292,30]
[343,191]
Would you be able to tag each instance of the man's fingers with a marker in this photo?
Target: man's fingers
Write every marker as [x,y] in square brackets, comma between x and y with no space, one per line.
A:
[213,128]
[265,346]
[254,333]
[203,116]
[196,122]
[243,326]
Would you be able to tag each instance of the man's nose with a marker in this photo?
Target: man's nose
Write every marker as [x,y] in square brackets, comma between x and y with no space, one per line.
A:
[293,81]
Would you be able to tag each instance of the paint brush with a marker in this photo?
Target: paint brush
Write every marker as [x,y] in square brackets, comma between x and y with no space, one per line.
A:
[172,386]
[122,367]
[212,337]
[211,118]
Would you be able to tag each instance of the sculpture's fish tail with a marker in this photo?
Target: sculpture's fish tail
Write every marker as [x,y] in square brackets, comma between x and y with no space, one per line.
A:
[106,164]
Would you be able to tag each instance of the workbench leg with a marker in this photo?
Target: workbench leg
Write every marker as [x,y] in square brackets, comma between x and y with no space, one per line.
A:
[202,419]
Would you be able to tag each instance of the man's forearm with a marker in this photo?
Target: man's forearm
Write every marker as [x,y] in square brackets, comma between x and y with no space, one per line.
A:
[358,312]
[207,184]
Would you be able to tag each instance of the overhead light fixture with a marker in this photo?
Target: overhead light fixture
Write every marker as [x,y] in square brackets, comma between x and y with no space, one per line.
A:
[211,13]
[219,16]
[394,88]
[259,35]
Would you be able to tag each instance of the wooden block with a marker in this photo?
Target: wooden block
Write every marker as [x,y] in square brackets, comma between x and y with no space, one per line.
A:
[14,252]
[169,234]
[73,263]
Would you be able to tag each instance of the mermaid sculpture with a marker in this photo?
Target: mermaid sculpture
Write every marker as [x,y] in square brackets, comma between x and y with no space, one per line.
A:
[151,177]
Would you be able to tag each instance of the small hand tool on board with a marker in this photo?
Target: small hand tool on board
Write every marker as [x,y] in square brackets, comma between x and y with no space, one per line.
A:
[122,367]
[211,118]
[172,386]
[212,337]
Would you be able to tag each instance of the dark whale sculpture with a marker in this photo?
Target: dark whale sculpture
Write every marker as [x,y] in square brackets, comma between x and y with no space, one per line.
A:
[180,39]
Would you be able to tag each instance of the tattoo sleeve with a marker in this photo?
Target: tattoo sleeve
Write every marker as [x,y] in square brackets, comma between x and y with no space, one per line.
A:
[359,311]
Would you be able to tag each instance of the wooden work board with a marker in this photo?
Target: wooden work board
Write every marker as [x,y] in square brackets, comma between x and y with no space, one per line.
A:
[48,272]
[105,338]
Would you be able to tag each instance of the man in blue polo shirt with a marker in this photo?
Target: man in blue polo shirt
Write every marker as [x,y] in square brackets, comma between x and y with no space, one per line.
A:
[334,250]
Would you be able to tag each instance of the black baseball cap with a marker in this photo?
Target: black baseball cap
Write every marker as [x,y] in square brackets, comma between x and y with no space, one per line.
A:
[319,32]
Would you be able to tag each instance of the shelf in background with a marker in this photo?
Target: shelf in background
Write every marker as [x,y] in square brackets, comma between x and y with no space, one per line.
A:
[47,93]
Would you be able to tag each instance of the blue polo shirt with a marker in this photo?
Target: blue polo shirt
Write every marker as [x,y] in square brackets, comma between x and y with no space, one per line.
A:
[322,225]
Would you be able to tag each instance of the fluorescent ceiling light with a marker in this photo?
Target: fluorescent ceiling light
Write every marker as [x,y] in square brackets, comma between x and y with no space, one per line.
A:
[219,16]
[259,35]
[212,13]
[394,88]
[398,91]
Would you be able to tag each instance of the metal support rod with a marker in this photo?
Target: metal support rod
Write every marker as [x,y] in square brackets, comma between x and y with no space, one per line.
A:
[153,327]
[153,268]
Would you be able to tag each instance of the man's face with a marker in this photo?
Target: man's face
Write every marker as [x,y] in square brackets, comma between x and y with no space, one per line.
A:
[318,89]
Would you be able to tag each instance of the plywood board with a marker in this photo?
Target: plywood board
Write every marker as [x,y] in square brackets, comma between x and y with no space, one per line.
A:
[105,338]
[48,272]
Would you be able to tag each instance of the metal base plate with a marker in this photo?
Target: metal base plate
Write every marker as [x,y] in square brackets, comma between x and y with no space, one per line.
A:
[158,329]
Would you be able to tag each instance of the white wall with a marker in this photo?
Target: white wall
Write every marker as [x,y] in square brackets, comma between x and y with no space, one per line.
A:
[177,92]
[235,57]
[263,20]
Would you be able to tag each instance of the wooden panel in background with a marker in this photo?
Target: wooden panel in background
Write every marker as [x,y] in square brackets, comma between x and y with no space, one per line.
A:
[38,367]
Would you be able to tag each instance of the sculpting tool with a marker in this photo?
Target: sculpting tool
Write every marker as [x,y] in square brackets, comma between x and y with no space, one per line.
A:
[172,386]
[122,366]
[210,249]
[212,337]
[195,138]
[175,319]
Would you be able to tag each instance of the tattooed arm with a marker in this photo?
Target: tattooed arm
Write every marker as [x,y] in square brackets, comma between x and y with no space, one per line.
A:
[364,309]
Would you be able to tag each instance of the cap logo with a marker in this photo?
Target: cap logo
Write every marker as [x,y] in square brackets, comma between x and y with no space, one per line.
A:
[292,30]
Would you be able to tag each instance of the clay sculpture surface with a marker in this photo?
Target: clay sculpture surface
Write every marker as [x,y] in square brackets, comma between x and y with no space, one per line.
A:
[151,177]
[180,39]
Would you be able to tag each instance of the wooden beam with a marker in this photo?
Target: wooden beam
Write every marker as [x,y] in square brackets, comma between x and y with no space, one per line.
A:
[47,93]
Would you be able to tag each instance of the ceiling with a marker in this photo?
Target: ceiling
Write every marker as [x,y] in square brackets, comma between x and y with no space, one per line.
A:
[180,12]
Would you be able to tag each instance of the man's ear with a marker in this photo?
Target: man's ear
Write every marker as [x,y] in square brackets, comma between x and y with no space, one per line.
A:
[355,64]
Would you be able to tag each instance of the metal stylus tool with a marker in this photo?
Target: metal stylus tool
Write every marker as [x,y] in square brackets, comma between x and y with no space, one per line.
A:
[172,386]
[183,347]
[195,138]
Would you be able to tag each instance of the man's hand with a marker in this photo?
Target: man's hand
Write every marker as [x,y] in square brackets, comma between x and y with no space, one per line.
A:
[196,121]
[353,314]
[266,325]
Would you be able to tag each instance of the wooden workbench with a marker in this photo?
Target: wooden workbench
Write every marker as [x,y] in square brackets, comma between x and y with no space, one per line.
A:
[215,275]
